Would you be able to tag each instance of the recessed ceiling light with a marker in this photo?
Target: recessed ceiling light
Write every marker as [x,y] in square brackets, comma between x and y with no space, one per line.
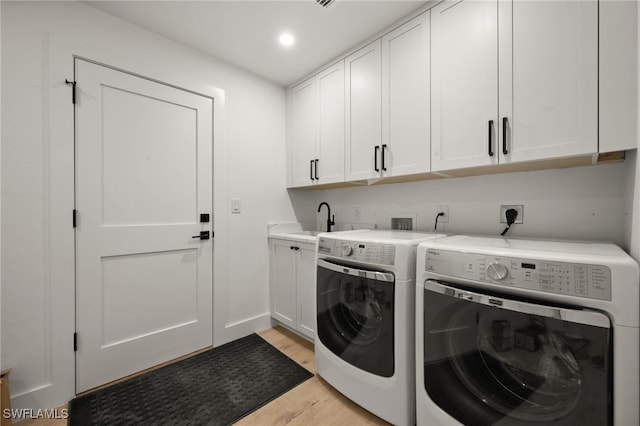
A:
[287,40]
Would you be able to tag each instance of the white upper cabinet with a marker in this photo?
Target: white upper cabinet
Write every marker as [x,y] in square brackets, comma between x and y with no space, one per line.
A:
[544,103]
[362,115]
[330,146]
[618,75]
[317,129]
[464,86]
[406,135]
[548,79]
[303,131]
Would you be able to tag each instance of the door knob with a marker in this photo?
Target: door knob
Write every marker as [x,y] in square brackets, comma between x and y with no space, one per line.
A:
[204,235]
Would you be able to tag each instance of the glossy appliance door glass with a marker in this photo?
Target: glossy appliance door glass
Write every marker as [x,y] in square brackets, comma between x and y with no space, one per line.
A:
[490,360]
[355,315]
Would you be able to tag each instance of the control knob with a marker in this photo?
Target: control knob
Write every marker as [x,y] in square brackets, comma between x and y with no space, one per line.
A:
[347,250]
[497,271]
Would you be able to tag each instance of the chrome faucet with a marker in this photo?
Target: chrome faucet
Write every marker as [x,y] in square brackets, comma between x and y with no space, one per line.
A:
[330,220]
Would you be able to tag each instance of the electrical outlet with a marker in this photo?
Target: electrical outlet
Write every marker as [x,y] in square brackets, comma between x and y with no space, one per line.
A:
[518,207]
[445,210]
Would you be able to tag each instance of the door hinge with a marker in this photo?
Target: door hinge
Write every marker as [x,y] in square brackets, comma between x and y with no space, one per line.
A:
[75,342]
[73,90]
[75,213]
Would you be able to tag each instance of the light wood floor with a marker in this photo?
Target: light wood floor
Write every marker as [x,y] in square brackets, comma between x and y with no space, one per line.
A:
[313,402]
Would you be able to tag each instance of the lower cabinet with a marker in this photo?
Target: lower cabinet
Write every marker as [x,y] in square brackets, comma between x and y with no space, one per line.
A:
[292,283]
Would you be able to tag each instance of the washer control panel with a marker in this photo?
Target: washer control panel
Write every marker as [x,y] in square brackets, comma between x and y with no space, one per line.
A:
[574,279]
[384,254]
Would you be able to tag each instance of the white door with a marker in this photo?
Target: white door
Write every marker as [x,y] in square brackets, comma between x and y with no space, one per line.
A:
[143,178]
[330,146]
[304,100]
[363,115]
[464,90]
[548,79]
[405,98]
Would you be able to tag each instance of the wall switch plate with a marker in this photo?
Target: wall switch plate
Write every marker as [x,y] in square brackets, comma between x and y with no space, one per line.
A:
[445,210]
[236,205]
[505,207]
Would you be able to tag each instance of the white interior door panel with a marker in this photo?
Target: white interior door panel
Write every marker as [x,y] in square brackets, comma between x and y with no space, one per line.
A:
[143,177]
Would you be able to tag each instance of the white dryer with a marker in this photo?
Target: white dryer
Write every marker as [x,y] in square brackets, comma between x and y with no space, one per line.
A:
[366,318]
[526,332]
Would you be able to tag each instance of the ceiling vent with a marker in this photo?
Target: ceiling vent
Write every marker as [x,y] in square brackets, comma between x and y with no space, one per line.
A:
[325,3]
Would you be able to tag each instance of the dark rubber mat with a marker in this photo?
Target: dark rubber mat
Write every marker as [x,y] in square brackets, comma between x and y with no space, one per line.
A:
[217,387]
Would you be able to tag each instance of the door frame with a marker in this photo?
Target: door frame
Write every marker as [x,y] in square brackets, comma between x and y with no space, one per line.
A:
[217,98]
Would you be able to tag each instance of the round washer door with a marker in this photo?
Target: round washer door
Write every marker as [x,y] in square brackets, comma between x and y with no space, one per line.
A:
[489,359]
[355,315]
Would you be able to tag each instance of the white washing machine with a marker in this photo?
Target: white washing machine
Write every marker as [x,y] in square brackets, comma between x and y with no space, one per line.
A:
[365,291]
[524,332]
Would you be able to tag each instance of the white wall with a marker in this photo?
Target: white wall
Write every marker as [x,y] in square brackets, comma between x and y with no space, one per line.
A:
[38,42]
[576,203]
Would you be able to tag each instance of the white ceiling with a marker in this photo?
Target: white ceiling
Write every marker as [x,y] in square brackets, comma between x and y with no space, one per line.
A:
[245,33]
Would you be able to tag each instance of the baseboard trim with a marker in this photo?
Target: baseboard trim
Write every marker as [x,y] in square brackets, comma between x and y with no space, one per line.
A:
[238,329]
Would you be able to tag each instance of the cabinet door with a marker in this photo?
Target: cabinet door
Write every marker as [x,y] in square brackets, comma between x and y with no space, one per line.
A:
[306,277]
[405,98]
[330,146]
[464,90]
[283,282]
[363,115]
[548,79]
[303,131]
[618,69]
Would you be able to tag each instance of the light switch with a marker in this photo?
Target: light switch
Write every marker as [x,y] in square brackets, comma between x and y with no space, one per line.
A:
[236,205]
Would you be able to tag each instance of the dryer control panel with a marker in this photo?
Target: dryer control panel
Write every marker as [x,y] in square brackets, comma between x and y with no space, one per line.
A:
[384,254]
[574,279]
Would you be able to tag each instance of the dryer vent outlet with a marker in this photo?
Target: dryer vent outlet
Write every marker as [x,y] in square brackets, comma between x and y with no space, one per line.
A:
[403,223]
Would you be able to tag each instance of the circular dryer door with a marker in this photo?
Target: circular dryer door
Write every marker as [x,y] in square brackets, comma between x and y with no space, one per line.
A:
[497,360]
[355,315]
